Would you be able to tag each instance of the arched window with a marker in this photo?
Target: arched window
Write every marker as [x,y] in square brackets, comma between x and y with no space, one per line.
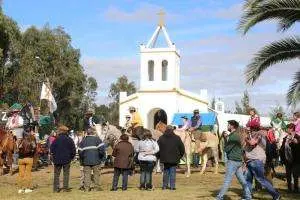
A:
[164,70]
[151,70]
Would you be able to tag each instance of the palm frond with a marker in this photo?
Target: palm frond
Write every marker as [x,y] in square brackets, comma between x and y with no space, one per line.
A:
[293,95]
[276,52]
[287,12]
[251,3]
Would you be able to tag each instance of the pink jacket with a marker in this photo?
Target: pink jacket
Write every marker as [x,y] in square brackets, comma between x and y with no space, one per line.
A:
[297,128]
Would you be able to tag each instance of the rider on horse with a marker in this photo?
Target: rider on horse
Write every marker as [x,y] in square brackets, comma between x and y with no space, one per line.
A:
[136,123]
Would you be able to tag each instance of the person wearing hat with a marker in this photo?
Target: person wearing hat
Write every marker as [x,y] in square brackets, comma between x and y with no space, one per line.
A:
[26,148]
[63,151]
[136,123]
[186,124]
[15,123]
[195,126]
[88,121]
[91,152]
[127,123]
[234,151]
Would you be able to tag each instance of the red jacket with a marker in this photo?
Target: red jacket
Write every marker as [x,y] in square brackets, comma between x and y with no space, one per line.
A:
[271,136]
[253,122]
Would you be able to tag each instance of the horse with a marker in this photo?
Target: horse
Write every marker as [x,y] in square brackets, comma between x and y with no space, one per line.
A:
[7,147]
[206,146]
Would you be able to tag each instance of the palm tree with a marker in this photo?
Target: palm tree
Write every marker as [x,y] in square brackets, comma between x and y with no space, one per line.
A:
[286,13]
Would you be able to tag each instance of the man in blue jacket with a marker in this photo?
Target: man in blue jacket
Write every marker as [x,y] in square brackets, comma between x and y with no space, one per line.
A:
[63,152]
[91,153]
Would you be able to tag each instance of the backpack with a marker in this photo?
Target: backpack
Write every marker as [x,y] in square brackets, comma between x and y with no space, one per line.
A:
[26,146]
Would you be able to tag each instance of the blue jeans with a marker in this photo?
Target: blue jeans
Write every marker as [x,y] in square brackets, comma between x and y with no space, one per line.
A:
[146,174]
[196,159]
[234,167]
[256,170]
[117,173]
[169,177]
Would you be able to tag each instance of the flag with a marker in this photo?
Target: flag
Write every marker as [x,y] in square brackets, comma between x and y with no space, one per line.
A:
[46,94]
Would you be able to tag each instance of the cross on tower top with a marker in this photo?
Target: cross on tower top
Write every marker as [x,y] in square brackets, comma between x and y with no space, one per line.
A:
[161,20]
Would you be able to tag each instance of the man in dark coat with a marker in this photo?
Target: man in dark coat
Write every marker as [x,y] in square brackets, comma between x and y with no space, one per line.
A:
[123,153]
[88,121]
[91,152]
[63,152]
[171,151]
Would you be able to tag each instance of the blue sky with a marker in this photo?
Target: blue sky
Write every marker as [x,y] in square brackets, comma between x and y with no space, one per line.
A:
[214,54]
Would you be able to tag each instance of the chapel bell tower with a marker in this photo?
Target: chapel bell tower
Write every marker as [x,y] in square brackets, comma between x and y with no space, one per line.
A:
[160,66]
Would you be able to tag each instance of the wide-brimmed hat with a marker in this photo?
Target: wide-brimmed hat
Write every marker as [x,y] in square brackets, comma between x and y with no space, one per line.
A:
[63,128]
[16,107]
[196,111]
[89,112]
[131,108]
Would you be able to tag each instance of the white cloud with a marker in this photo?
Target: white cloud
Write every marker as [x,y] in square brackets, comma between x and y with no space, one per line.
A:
[232,12]
[145,13]
[106,71]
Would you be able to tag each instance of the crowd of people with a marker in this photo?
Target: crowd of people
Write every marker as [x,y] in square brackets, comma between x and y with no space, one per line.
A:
[245,155]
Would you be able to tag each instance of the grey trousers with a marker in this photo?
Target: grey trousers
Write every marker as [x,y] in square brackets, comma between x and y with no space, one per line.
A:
[87,170]
[66,174]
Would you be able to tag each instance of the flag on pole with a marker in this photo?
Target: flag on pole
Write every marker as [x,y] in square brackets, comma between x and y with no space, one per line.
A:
[46,94]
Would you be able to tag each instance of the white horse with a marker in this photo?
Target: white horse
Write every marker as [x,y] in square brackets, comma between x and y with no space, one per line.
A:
[187,141]
[208,147]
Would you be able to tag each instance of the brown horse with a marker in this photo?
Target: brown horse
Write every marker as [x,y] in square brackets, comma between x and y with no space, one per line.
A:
[7,147]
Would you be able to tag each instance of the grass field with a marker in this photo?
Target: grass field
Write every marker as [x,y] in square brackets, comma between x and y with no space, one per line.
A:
[196,187]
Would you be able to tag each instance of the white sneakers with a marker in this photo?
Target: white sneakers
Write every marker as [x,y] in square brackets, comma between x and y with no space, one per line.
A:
[21,191]
[28,191]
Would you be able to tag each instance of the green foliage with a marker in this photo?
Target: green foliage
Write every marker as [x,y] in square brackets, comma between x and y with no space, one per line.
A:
[121,85]
[29,58]
[293,94]
[277,109]
[9,46]
[286,13]
[271,54]
[245,104]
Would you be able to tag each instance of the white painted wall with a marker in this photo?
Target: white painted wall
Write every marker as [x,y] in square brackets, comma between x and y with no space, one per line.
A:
[158,55]
[170,102]
[242,119]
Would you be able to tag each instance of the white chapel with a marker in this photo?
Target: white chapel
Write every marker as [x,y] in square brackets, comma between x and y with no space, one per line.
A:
[159,96]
